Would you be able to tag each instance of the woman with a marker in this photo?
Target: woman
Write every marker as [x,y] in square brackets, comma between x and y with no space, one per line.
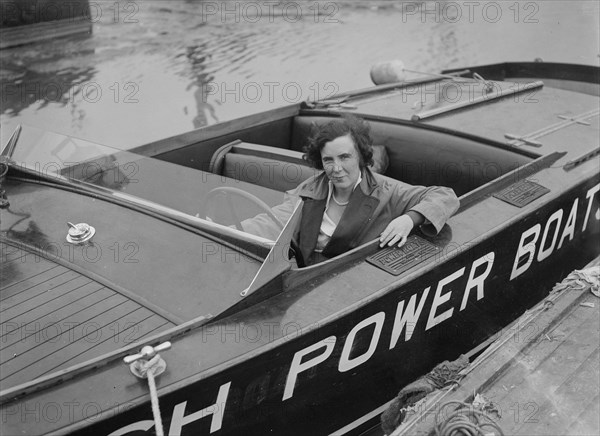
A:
[347,204]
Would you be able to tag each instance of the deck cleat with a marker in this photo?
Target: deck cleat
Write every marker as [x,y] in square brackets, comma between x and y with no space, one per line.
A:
[80,233]
[147,358]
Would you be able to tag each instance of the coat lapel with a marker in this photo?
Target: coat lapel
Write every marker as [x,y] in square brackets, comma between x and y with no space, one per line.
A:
[352,225]
[310,223]
[353,222]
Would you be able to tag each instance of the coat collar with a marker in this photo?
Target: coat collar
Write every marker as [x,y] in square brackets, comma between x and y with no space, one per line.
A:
[353,223]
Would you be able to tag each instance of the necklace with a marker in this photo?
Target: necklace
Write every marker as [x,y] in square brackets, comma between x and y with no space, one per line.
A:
[337,202]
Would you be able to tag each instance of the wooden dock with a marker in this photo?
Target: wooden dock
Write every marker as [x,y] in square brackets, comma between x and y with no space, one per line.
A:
[541,376]
[31,33]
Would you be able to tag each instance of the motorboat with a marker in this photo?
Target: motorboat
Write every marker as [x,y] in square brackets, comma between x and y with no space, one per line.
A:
[119,262]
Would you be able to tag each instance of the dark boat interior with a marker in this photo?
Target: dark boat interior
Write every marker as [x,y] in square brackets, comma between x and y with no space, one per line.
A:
[415,154]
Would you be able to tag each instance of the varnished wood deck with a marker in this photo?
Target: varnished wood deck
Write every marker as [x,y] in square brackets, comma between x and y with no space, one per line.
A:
[543,377]
[52,318]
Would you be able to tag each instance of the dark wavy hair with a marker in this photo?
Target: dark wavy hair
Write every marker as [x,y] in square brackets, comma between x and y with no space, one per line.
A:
[358,129]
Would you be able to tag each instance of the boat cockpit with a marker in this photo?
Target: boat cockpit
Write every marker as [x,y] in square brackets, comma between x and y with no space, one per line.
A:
[219,183]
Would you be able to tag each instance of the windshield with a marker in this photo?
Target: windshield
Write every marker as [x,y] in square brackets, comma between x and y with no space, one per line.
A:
[210,200]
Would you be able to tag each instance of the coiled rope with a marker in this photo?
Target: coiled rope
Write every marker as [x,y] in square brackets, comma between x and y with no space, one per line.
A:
[465,421]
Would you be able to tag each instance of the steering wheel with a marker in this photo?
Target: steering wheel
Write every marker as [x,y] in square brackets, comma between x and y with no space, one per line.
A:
[229,191]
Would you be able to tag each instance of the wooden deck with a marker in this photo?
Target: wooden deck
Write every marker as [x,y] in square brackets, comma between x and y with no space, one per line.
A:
[53,318]
[541,376]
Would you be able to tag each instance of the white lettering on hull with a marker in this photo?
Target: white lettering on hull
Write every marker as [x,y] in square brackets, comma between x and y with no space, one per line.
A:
[407,318]
[440,299]
[346,363]
[136,426]
[526,247]
[590,197]
[179,418]
[555,220]
[477,282]
[528,243]
[298,366]
[570,226]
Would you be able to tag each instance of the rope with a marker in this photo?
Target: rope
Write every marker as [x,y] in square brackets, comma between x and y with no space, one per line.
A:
[581,280]
[444,377]
[147,369]
[464,421]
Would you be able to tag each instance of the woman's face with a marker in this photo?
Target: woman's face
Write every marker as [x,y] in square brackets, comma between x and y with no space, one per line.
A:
[341,162]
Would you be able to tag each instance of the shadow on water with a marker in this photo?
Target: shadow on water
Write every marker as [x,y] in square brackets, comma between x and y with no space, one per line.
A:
[198,58]
[25,88]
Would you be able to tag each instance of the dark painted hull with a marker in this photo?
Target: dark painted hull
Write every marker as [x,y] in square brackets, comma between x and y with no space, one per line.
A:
[323,398]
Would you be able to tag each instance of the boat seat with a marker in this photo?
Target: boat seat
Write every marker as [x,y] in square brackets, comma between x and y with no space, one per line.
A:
[271,167]
[421,156]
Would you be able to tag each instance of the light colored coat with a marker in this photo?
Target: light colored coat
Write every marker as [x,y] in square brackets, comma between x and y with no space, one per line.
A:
[373,204]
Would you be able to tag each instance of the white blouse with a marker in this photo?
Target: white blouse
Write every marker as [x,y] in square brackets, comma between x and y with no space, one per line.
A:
[327,225]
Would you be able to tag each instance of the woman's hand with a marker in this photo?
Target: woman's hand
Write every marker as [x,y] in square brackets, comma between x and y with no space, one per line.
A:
[396,231]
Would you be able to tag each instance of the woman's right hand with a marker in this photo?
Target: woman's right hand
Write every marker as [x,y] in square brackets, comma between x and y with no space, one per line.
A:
[397,231]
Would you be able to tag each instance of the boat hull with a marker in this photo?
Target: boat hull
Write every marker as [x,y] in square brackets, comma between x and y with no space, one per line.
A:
[332,372]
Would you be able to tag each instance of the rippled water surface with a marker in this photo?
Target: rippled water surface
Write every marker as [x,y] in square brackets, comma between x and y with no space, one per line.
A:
[153,69]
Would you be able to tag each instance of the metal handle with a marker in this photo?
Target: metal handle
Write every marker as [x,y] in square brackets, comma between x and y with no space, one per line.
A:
[147,351]
[525,140]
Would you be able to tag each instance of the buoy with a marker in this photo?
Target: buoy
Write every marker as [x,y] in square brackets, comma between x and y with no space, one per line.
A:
[394,72]
[387,72]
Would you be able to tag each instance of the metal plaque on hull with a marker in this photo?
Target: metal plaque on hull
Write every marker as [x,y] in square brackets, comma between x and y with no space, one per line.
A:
[521,193]
[397,260]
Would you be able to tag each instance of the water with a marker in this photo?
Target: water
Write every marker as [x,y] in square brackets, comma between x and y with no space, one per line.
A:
[153,69]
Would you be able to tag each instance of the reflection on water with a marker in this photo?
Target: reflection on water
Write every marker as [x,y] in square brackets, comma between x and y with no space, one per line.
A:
[27,87]
[158,68]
